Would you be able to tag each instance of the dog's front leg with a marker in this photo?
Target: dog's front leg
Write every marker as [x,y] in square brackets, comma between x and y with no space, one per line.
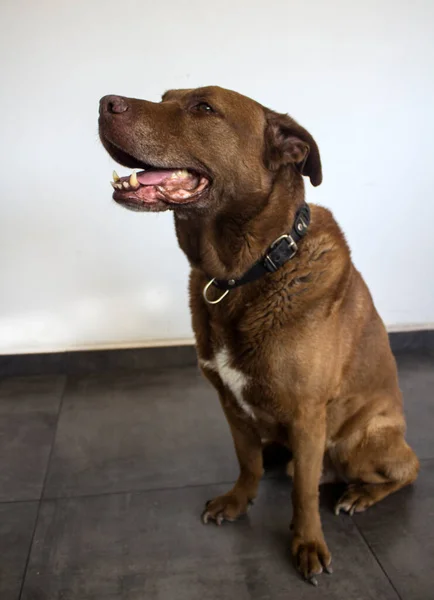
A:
[248,448]
[309,550]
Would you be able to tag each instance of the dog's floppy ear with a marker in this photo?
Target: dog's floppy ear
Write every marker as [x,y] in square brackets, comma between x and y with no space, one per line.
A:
[287,142]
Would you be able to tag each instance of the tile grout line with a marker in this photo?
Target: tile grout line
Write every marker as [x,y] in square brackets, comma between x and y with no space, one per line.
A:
[59,410]
[139,491]
[25,501]
[377,560]
[134,491]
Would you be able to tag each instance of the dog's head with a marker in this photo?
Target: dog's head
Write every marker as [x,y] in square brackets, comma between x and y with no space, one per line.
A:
[198,147]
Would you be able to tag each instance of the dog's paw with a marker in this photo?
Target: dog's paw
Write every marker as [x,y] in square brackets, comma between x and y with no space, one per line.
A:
[225,508]
[311,558]
[356,498]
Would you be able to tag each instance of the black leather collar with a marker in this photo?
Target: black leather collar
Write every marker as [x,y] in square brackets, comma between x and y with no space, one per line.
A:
[280,251]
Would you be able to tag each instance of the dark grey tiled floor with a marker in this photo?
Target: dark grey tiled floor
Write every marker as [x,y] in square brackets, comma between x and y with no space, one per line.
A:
[28,413]
[17,522]
[138,431]
[103,478]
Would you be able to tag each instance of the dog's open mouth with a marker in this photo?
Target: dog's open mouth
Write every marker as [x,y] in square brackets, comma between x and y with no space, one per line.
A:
[173,186]
[154,187]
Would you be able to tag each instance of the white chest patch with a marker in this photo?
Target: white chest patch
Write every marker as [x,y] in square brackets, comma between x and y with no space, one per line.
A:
[233,379]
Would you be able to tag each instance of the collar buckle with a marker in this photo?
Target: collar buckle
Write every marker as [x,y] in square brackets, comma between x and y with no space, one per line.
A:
[291,244]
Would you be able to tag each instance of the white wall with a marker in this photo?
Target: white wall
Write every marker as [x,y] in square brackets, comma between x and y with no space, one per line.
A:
[77,271]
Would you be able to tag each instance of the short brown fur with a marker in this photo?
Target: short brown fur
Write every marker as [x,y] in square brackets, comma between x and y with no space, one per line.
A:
[321,378]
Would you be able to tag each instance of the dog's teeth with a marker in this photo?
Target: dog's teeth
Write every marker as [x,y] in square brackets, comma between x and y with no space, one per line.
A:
[126,185]
[182,173]
[115,176]
[134,182]
[118,186]
[113,184]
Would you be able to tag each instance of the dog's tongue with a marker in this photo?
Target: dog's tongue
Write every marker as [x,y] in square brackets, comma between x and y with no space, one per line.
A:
[155,177]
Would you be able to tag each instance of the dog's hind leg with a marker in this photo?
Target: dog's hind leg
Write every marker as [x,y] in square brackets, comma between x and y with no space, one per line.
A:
[380,464]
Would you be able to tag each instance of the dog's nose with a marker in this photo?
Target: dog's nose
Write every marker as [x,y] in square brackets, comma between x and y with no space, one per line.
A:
[114,105]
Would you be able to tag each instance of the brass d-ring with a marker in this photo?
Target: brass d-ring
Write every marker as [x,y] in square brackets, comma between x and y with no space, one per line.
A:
[206,288]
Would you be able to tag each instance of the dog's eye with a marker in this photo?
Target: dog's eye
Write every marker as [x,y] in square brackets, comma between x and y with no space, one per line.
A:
[203,107]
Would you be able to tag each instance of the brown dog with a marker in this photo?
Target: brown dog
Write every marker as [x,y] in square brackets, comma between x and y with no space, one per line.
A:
[299,355]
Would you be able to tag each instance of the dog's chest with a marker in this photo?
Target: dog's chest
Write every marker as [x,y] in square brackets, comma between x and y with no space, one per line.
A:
[234,379]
